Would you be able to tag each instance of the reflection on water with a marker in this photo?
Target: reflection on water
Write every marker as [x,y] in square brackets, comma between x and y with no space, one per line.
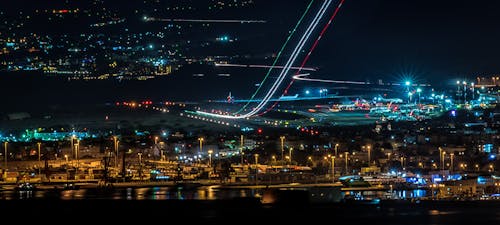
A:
[395,194]
[143,193]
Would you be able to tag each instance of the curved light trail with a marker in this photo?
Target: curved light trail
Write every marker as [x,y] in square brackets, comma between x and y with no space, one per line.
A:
[289,62]
[277,57]
[308,54]
[302,77]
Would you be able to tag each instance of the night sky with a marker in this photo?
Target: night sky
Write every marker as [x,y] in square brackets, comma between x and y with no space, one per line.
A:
[433,41]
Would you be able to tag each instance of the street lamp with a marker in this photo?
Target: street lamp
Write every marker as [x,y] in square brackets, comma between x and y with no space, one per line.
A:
[419,90]
[369,154]
[66,157]
[156,140]
[442,163]
[115,142]
[290,154]
[201,144]
[336,147]
[473,94]
[77,149]
[333,169]
[465,91]
[256,168]
[241,148]
[39,144]
[282,138]
[346,158]
[210,158]
[451,160]
[440,157]
[5,156]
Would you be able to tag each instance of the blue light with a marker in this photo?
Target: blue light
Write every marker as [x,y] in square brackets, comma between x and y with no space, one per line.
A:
[492,157]
[407,83]
[453,113]
[308,92]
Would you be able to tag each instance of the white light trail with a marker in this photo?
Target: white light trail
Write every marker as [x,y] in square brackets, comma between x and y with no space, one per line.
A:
[302,77]
[263,66]
[203,20]
[285,69]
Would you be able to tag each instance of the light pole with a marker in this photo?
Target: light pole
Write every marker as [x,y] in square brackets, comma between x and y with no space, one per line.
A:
[5,156]
[140,164]
[256,168]
[66,157]
[336,147]
[241,148]
[77,149]
[465,91]
[39,144]
[210,158]
[407,84]
[473,94]
[419,90]
[115,142]
[369,156]
[282,138]
[73,144]
[156,140]
[290,154]
[442,163]
[333,169]
[451,164]
[440,157]
[201,144]
[346,158]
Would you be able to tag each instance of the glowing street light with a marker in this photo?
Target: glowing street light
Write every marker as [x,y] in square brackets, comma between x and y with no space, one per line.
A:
[451,160]
[201,144]
[39,145]
[333,168]
[369,154]
[282,138]
[5,156]
[346,158]
[210,158]
[115,142]
[419,90]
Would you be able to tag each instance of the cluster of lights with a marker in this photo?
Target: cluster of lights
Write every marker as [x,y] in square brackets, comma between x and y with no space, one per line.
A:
[308,130]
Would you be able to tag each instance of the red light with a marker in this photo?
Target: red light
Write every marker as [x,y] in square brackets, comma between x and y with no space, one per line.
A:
[259,131]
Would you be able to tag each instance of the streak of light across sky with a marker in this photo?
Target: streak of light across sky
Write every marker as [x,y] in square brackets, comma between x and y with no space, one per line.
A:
[262,66]
[202,20]
[297,50]
[302,77]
